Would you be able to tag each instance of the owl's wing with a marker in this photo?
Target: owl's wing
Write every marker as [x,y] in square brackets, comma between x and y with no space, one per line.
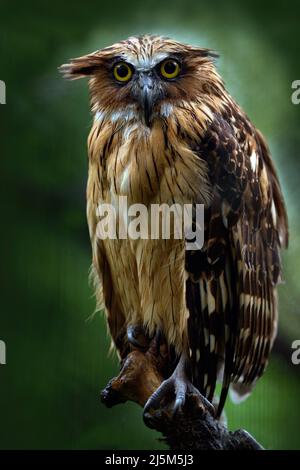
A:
[231,285]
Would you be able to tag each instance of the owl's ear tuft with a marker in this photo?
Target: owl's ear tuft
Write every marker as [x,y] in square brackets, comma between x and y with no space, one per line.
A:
[210,53]
[81,67]
[203,52]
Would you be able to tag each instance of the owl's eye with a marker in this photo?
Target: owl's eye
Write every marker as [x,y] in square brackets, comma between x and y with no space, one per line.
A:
[122,72]
[169,69]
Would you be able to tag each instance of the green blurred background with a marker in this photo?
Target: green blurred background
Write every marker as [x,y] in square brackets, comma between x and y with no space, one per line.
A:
[57,359]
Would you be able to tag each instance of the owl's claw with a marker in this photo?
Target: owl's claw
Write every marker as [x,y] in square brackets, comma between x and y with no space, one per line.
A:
[172,394]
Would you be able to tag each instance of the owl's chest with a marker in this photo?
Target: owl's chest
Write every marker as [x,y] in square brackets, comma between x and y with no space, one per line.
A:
[149,166]
[153,167]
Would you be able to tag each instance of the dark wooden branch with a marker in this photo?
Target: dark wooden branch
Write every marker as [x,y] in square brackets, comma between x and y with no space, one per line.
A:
[193,428]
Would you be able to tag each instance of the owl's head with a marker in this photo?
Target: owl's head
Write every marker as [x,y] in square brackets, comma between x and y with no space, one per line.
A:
[145,76]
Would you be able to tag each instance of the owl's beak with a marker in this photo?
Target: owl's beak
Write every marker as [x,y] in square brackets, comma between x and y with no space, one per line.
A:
[147,106]
[147,96]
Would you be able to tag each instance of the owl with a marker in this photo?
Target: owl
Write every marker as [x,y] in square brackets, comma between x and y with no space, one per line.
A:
[165,130]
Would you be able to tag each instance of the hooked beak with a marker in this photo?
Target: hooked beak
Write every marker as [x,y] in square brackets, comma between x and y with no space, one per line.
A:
[147,97]
[147,106]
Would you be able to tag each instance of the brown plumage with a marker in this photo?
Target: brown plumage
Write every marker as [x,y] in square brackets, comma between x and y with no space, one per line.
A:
[157,139]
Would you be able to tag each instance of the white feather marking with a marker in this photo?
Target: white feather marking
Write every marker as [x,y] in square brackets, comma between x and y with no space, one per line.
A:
[274,213]
[100,115]
[245,333]
[145,62]
[225,210]
[125,179]
[127,114]
[212,343]
[253,161]
[166,109]
[247,299]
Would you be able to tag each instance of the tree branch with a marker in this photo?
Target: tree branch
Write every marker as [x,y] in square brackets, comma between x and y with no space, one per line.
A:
[194,428]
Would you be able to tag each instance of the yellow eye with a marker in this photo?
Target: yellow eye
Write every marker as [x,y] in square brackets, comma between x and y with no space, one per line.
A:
[122,72]
[170,69]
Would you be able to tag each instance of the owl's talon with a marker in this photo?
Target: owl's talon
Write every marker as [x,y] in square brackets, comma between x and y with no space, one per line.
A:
[172,393]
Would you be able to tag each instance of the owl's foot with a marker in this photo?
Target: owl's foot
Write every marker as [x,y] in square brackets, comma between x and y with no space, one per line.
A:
[172,394]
